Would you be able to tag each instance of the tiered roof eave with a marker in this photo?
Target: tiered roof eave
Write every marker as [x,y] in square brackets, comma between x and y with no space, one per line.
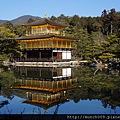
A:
[45,36]
[44,21]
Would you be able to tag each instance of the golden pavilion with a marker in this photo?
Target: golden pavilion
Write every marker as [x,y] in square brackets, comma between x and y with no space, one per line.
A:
[45,41]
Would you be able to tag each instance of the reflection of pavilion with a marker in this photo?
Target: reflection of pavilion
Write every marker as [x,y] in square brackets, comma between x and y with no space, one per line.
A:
[45,87]
[45,99]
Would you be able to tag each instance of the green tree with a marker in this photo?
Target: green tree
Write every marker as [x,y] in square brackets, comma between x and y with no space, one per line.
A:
[19,30]
[111,47]
[75,21]
[8,25]
[31,20]
[8,45]
[110,21]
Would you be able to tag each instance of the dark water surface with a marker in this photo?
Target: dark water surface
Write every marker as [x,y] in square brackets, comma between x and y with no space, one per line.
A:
[76,90]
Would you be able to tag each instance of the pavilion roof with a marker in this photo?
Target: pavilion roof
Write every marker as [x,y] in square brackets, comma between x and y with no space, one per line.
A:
[44,21]
[46,104]
[43,37]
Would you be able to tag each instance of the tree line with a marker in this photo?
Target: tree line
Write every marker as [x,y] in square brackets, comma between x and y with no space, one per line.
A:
[99,37]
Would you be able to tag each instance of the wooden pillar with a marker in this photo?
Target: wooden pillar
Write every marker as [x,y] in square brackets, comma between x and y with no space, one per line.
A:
[43,44]
[51,97]
[62,83]
[52,84]
[39,54]
[65,83]
[43,83]
[31,96]
[40,83]
[37,97]
[25,55]
[46,84]
[70,81]
[52,55]
[31,82]
[40,72]
[57,44]
[26,72]
[57,84]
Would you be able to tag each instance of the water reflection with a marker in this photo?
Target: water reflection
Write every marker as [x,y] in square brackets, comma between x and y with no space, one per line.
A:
[101,84]
[45,87]
[69,90]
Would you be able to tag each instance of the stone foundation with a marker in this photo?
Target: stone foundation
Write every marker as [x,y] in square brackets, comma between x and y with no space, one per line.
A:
[47,64]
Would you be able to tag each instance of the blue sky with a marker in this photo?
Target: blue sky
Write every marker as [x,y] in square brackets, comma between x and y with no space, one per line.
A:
[11,9]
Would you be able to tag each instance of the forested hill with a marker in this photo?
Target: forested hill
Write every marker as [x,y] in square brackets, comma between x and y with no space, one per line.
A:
[20,20]
[2,21]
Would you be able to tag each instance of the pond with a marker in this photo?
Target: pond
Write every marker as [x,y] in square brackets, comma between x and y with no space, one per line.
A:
[69,90]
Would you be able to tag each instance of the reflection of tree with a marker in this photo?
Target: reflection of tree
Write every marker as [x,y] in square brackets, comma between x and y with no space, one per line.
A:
[2,103]
[76,99]
[111,97]
[103,86]
[56,110]
[104,103]
[7,79]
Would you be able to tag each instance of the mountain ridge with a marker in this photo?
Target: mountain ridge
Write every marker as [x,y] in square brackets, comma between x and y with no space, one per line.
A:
[20,20]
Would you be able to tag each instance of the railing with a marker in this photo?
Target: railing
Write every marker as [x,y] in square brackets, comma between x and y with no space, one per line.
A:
[41,60]
[49,44]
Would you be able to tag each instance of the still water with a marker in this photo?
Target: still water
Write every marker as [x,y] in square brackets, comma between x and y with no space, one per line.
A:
[72,90]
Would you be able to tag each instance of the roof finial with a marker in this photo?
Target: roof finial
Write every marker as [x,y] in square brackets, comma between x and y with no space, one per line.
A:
[45,16]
